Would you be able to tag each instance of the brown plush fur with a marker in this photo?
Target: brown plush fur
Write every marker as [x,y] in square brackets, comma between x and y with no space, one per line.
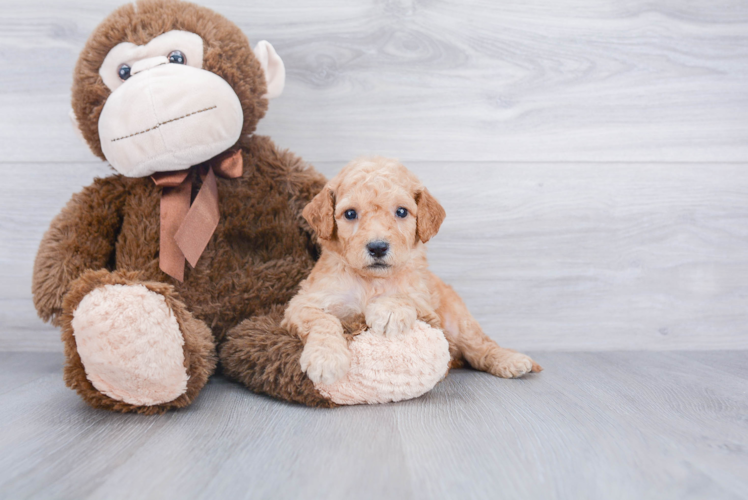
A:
[260,251]
[199,349]
[261,342]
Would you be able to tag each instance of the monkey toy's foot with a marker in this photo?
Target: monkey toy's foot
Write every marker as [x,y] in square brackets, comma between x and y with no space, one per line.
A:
[131,345]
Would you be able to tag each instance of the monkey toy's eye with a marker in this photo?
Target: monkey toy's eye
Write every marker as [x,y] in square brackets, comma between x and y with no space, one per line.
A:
[124,71]
[350,214]
[401,212]
[176,57]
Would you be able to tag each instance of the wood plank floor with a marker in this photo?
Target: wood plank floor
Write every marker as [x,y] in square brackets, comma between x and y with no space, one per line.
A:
[635,425]
[591,157]
[457,80]
[547,256]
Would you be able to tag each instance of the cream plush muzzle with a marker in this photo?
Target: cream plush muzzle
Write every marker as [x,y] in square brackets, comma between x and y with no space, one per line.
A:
[168,117]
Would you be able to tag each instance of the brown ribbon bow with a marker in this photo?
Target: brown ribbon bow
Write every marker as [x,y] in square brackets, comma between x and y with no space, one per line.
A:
[186,230]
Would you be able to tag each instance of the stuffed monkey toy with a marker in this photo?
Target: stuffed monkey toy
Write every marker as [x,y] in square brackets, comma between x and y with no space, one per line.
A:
[192,249]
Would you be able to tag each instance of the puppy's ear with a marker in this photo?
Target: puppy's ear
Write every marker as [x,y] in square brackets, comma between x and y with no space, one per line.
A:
[430,215]
[320,214]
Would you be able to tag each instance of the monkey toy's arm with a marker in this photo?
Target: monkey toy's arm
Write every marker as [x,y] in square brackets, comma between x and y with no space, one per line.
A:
[258,352]
[301,181]
[81,237]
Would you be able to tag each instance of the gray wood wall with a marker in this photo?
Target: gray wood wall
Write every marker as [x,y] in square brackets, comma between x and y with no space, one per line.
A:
[592,156]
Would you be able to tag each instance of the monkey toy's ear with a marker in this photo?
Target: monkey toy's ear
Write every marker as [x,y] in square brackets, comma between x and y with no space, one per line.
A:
[76,127]
[272,66]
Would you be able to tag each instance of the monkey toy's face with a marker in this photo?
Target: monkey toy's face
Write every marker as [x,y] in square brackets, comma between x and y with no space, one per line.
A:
[152,96]
[165,112]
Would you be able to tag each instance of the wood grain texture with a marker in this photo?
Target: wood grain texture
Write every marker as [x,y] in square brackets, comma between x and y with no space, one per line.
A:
[593,161]
[627,425]
[547,256]
[578,80]
[559,255]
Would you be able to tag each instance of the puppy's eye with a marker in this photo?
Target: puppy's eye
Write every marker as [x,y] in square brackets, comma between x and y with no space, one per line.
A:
[177,57]
[123,71]
[401,212]
[350,214]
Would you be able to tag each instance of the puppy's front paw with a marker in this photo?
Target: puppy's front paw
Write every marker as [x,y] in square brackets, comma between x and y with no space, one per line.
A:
[401,321]
[514,365]
[325,361]
[382,320]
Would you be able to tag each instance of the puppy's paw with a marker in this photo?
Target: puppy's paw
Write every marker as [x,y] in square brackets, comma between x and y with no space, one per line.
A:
[401,321]
[513,365]
[325,361]
[390,322]
[377,320]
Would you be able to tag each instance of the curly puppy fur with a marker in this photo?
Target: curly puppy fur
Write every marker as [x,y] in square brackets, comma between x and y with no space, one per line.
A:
[373,219]
[260,251]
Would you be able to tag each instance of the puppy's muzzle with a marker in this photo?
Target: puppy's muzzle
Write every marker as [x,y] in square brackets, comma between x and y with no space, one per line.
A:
[378,249]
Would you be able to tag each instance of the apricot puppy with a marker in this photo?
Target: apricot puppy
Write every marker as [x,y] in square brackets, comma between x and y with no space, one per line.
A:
[373,220]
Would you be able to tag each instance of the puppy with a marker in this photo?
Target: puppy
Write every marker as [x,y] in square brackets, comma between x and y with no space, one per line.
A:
[372,221]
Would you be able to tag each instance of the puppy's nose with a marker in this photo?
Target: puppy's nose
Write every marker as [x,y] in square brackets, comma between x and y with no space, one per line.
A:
[378,248]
